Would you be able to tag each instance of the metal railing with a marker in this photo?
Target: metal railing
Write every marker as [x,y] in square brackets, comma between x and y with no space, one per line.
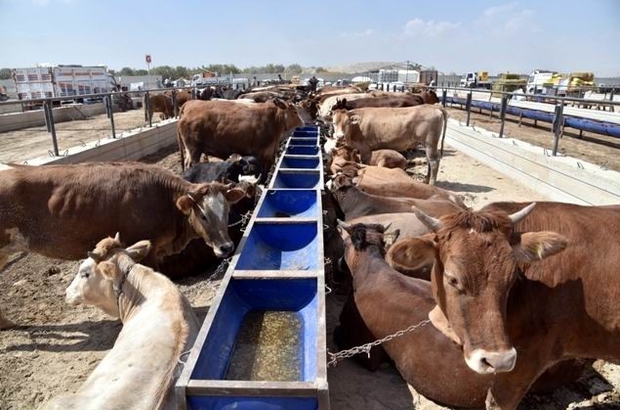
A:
[558,119]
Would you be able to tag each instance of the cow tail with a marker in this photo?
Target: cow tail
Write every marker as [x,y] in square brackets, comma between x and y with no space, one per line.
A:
[181,147]
[444,113]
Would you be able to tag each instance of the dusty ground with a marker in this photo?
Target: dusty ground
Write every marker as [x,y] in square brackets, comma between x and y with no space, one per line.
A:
[22,145]
[57,346]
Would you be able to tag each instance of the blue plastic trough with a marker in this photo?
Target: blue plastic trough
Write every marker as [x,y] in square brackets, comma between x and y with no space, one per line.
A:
[262,344]
[290,203]
[301,161]
[302,150]
[297,178]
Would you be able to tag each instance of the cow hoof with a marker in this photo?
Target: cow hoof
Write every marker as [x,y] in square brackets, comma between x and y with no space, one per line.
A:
[6,323]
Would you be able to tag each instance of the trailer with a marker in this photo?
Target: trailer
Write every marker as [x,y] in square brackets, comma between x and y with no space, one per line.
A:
[78,81]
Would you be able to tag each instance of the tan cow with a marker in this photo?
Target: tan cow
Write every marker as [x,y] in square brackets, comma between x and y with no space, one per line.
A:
[159,326]
[221,128]
[521,287]
[61,211]
[369,129]
[158,103]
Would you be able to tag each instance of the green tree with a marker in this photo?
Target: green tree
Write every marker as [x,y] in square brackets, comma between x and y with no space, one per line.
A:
[165,71]
[320,70]
[125,71]
[294,69]
[5,73]
[140,72]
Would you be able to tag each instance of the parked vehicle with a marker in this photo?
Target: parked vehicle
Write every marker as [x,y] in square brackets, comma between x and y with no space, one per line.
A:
[478,79]
[537,80]
[79,81]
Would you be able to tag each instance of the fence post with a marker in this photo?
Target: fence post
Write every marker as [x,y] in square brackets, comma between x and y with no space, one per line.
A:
[558,121]
[444,97]
[468,107]
[502,114]
[175,108]
[147,108]
[109,110]
[49,122]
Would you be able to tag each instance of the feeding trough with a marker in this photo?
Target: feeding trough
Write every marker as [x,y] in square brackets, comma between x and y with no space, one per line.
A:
[302,150]
[281,245]
[285,203]
[297,178]
[264,335]
[301,161]
[262,345]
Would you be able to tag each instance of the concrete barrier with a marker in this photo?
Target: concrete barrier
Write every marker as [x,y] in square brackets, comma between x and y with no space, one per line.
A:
[36,118]
[562,179]
[131,147]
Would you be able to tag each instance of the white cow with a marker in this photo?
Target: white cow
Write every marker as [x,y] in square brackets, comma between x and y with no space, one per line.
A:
[158,327]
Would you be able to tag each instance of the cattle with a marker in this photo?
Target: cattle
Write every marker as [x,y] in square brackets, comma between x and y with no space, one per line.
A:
[355,203]
[369,129]
[388,158]
[324,107]
[231,169]
[395,182]
[388,302]
[157,103]
[181,96]
[389,100]
[521,286]
[411,258]
[159,326]
[221,129]
[61,211]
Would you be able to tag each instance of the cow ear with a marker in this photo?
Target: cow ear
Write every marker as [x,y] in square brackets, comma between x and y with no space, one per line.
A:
[279,103]
[109,271]
[390,237]
[355,119]
[185,204]
[234,195]
[535,246]
[139,250]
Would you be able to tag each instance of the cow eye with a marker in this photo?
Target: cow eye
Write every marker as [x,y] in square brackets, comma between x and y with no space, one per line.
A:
[452,281]
[203,217]
[85,275]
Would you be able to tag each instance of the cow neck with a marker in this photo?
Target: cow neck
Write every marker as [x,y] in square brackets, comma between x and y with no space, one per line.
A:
[128,295]
[364,259]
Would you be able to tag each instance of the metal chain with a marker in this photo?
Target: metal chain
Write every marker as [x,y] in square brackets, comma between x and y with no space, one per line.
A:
[334,358]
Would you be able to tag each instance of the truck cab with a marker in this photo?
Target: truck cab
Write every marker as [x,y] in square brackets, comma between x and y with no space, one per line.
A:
[478,79]
[537,80]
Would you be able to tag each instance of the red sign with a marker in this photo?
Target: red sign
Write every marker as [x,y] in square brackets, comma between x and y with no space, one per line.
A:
[148,58]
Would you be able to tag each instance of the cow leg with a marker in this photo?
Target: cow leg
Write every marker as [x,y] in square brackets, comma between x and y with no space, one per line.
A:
[432,165]
[11,241]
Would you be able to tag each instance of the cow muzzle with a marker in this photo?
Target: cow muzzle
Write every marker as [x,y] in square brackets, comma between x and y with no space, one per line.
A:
[224,251]
[484,362]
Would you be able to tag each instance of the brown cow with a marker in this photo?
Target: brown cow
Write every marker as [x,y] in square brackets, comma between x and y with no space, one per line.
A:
[62,211]
[388,302]
[158,103]
[389,100]
[513,304]
[355,203]
[344,155]
[221,128]
[388,158]
[182,96]
[369,129]
[395,182]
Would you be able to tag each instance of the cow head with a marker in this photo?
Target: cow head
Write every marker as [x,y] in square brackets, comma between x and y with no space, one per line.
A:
[478,258]
[246,166]
[99,276]
[207,206]
[289,113]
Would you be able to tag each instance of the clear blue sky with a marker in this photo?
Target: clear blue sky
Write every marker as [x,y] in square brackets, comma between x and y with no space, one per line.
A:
[451,35]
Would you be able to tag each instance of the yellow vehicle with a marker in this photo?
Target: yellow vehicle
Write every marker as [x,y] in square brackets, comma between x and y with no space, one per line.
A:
[478,79]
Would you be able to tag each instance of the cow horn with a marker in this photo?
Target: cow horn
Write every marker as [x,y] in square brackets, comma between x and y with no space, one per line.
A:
[251,179]
[431,223]
[94,256]
[519,215]
[117,237]
[344,225]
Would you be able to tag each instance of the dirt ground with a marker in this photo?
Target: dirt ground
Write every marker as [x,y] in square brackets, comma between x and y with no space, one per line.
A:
[21,145]
[56,346]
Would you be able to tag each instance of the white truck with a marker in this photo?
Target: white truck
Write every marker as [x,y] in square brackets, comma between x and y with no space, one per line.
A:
[62,81]
[537,80]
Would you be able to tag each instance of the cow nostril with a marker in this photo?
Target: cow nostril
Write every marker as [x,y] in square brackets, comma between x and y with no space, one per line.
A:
[226,249]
